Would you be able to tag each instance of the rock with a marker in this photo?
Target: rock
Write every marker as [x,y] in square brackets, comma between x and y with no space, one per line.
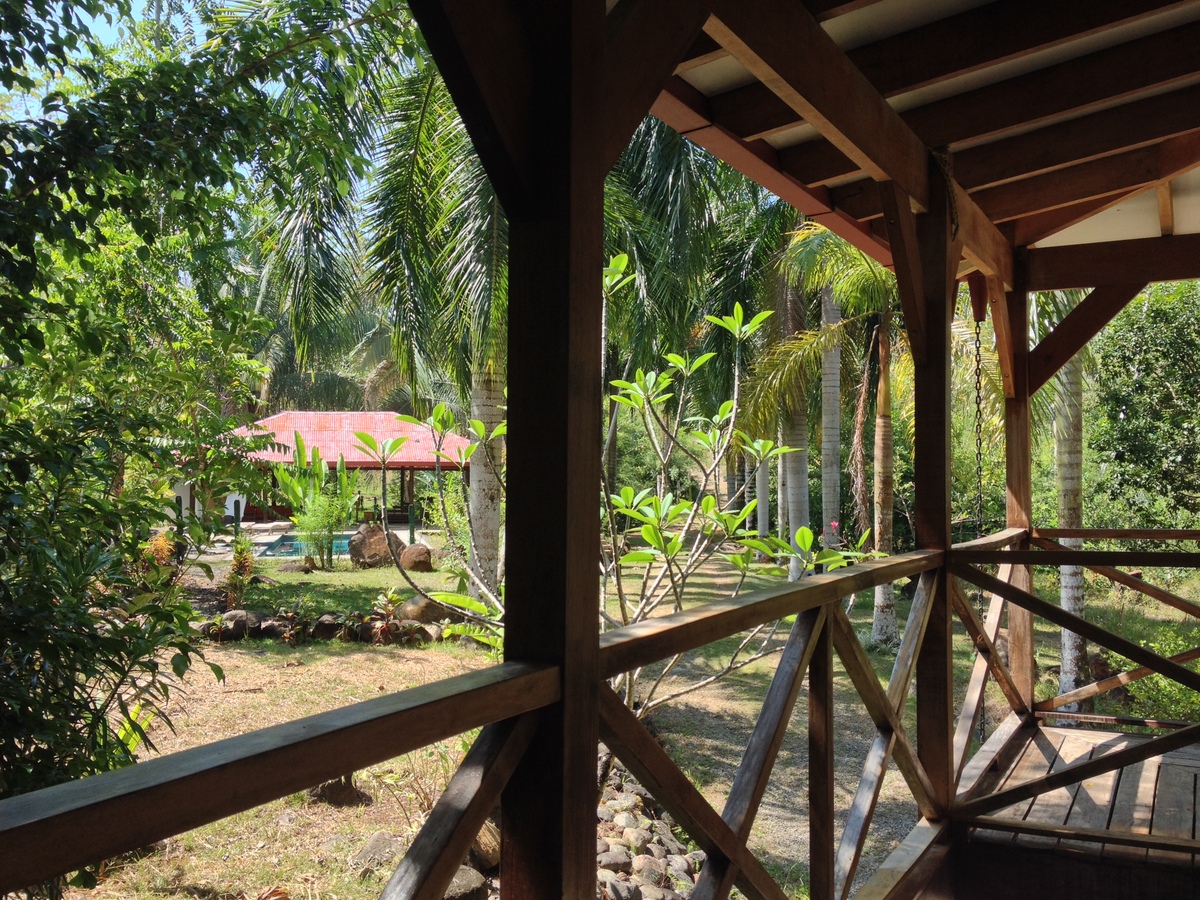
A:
[485,849]
[625,820]
[649,870]
[681,865]
[436,633]
[606,876]
[467,885]
[368,547]
[636,838]
[697,857]
[263,579]
[656,851]
[380,848]
[624,890]
[327,627]
[233,625]
[615,860]
[604,814]
[276,629]
[622,803]
[408,631]
[421,609]
[339,792]
[601,846]
[296,566]
[653,892]
[416,558]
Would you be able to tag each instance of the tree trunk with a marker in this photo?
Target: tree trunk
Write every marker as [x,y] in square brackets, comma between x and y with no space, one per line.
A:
[487,396]
[1068,450]
[762,491]
[883,622]
[831,425]
[795,429]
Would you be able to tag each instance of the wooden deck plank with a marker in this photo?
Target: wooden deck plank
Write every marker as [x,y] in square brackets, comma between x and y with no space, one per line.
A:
[1092,807]
[1036,761]
[1174,812]
[1132,808]
[1053,807]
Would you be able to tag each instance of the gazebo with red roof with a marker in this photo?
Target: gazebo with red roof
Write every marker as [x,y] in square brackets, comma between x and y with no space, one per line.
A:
[334,434]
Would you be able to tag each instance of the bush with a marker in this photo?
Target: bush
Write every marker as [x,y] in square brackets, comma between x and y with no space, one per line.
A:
[1157,697]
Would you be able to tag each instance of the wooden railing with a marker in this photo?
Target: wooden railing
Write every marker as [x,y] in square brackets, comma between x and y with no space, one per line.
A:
[59,829]
[979,799]
[49,832]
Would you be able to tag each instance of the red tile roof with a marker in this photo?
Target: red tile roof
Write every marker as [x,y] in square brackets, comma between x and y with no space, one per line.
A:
[334,432]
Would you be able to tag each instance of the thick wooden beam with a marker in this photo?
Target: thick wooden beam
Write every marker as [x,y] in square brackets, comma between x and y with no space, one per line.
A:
[657,772]
[57,830]
[1056,615]
[1031,229]
[1087,82]
[653,639]
[754,771]
[1147,260]
[821,744]
[1116,174]
[688,111]
[1007,537]
[931,455]
[906,255]
[434,856]
[1081,139]
[483,53]
[824,87]
[1018,456]
[644,43]
[993,759]
[1078,772]
[1078,327]
[554,388]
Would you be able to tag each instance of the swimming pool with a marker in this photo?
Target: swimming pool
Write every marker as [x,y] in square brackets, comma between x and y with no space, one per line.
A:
[291,545]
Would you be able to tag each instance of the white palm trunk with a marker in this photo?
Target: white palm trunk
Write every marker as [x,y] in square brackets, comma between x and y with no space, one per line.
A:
[487,396]
[831,423]
[1068,450]
[883,621]
[795,431]
[762,490]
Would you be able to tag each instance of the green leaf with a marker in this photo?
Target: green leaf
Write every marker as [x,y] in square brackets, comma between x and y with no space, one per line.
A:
[637,556]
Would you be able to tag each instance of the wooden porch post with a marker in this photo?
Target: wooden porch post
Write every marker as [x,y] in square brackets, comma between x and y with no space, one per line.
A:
[527,78]
[1017,464]
[554,435]
[939,253]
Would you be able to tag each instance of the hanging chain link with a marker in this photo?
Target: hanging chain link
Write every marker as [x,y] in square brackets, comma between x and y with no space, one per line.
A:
[979,526]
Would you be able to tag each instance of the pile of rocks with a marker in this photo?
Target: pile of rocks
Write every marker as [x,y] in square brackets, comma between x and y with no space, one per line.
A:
[638,856]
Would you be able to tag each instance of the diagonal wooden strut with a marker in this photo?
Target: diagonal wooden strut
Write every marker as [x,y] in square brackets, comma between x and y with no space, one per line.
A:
[1107,684]
[973,701]
[986,649]
[657,772]
[1082,627]
[433,859]
[862,810]
[1129,581]
[859,668]
[1078,327]
[716,878]
[1078,772]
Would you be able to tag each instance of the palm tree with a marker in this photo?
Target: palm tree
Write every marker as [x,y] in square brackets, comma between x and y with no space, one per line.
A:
[440,267]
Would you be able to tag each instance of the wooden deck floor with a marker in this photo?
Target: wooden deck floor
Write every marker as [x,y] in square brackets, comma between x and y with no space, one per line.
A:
[1157,797]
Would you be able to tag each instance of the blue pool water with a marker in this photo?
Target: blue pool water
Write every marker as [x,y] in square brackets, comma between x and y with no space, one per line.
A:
[290,545]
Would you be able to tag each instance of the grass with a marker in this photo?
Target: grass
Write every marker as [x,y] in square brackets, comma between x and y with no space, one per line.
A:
[344,589]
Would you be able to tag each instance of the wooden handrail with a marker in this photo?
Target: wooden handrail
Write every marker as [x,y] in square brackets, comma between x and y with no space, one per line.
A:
[997,541]
[1171,558]
[1118,534]
[653,639]
[62,828]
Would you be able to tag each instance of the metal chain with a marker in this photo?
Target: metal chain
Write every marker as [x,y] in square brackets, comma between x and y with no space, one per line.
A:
[979,526]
